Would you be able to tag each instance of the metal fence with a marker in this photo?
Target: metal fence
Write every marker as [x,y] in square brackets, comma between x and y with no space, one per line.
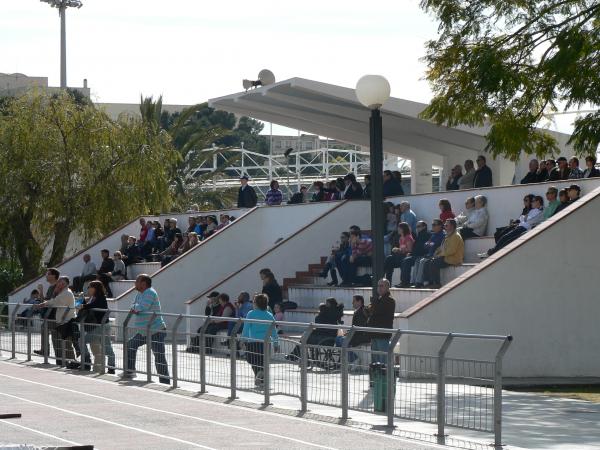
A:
[317,366]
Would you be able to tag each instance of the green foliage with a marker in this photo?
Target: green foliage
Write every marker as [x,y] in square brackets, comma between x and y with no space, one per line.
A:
[65,165]
[510,62]
[10,277]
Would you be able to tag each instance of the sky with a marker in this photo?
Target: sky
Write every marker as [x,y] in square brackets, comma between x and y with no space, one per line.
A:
[193,50]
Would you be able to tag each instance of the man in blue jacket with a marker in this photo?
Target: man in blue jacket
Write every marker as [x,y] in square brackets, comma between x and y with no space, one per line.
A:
[436,239]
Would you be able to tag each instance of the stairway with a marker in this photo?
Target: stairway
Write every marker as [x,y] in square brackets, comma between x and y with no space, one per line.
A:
[120,287]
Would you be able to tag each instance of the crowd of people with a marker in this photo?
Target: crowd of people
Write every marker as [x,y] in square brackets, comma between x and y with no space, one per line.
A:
[560,169]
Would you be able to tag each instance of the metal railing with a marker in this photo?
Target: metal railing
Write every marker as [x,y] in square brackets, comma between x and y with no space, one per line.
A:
[316,366]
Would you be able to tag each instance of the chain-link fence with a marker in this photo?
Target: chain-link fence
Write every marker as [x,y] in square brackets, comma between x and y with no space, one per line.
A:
[321,365]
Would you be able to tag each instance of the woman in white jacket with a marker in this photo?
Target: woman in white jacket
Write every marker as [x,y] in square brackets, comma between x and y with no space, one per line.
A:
[476,224]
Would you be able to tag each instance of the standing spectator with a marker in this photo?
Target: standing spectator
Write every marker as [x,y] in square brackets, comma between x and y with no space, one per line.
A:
[553,203]
[246,195]
[408,216]
[319,193]
[146,304]
[353,189]
[483,174]
[298,197]
[590,168]
[361,256]
[402,245]
[52,276]
[454,178]
[526,223]
[274,195]
[418,252]
[367,189]
[254,335]
[575,173]
[466,181]
[533,175]
[391,186]
[450,253]
[271,288]
[476,223]
[381,315]
[398,177]
[359,319]
[107,267]
[119,271]
[88,273]
[445,210]
[338,252]
[562,171]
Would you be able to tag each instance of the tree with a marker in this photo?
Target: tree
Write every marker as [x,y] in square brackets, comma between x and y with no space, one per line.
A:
[66,166]
[509,63]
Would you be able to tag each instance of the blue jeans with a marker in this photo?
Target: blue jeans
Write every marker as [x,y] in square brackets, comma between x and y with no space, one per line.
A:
[379,345]
[339,342]
[158,349]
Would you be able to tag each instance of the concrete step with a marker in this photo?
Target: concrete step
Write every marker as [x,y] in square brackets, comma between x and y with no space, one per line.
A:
[450,273]
[120,287]
[312,296]
[149,268]
[477,245]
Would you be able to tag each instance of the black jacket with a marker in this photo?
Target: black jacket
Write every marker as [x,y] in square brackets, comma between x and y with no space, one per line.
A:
[273,291]
[594,173]
[94,316]
[392,188]
[483,177]
[452,184]
[381,315]
[108,265]
[247,197]
[419,247]
[354,192]
[359,319]
[330,316]
[296,198]
[531,177]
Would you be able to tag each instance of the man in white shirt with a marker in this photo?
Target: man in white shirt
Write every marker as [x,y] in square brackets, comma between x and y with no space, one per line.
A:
[64,304]
[88,273]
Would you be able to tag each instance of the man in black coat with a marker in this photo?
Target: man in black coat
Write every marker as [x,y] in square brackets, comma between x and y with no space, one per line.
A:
[391,186]
[246,195]
[483,174]
[381,315]
[353,190]
[532,176]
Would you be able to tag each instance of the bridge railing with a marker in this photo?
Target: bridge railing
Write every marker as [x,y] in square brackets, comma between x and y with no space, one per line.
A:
[351,368]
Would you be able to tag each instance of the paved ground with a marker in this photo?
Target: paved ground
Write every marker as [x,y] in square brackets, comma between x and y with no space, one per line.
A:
[60,408]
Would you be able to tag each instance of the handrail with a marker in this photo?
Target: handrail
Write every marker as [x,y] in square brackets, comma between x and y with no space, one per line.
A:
[283,241]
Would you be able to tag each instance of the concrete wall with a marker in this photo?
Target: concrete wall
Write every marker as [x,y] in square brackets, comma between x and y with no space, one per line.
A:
[542,290]
[224,253]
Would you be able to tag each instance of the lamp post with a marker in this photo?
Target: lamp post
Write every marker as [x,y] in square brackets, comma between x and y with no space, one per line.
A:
[62,6]
[373,91]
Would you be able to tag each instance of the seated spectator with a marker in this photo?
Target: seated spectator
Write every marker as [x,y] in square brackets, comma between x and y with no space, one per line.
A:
[391,186]
[419,251]
[353,190]
[561,172]
[106,268]
[319,193]
[450,253]
[254,335]
[189,242]
[132,252]
[124,243]
[542,172]
[147,246]
[224,221]
[334,261]
[143,230]
[198,228]
[390,217]
[483,174]
[575,173]
[446,210]
[271,288]
[398,176]
[88,273]
[191,224]
[243,305]
[574,193]
[533,175]
[158,230]
[590,168]
[298,197]
[435,240]
[477,220]
[120,271]
[274,195]
[367,189]
[278,312]
[466,181]
[526,223]
[172,252]
[552,202]
[408,216]
[225,309]
[550,165]
[454,178]
[361,255]
[211,226]
[513,223]
[563,197]
[332,192]
[465,214]
[34,299]
[402,245]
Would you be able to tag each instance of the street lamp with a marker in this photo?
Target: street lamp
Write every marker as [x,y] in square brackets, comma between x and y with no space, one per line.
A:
[62,6]
[373,91]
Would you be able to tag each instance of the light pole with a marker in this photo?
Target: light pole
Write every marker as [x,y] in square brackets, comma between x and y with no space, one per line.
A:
[373,91]
[62,6]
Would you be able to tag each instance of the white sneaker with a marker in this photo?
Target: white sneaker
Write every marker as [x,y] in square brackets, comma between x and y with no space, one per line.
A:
[258,380]
[483,255]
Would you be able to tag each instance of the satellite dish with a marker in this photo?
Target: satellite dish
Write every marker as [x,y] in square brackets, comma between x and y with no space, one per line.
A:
[265,77]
